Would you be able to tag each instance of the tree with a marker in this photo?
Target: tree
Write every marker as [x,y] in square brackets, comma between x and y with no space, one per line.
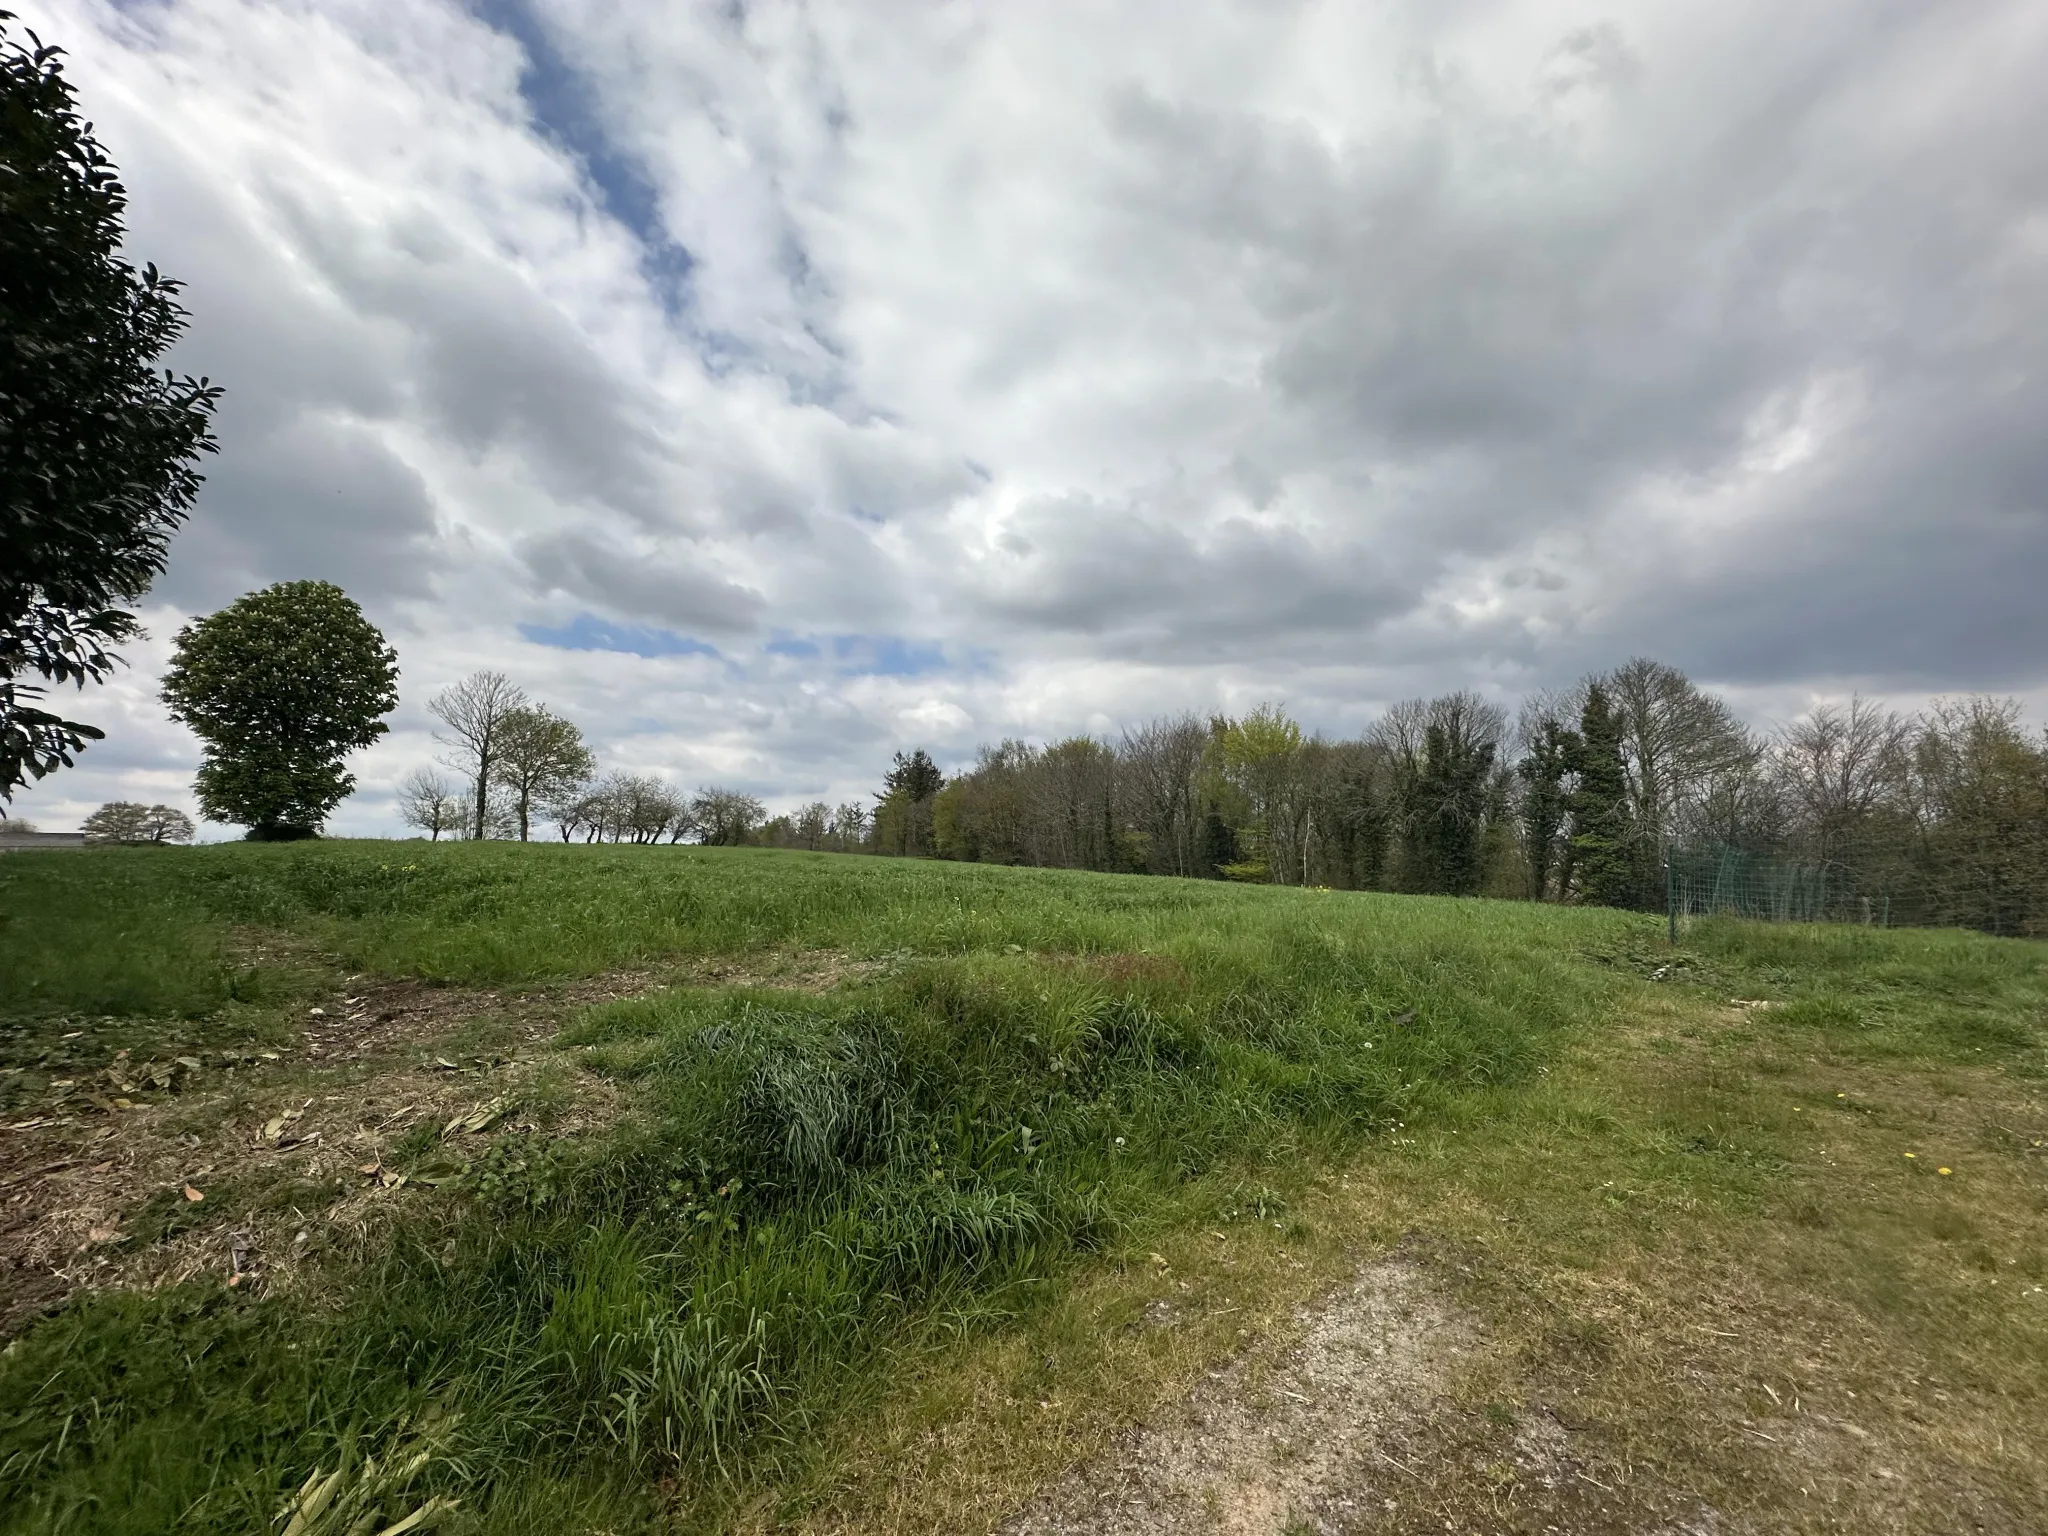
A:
[280,686]
[1364,814]
[475,711]
[1546,766]
[916,777]
[811,825]
[540,759]
[1602,857]
[1843,768]
[429,802]
[1216,847]
[1260,757]
[1439,763]
[98,451]
[725,818]
[1159,767]
[1447,812]
[1678,743]
[849,829]
[124,821]
[1980,790]
[903,818]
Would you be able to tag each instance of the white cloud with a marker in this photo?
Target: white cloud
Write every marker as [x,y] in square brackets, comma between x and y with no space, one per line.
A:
[1090,362]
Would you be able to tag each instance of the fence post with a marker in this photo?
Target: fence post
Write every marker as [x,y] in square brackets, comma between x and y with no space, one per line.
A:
[1671,896]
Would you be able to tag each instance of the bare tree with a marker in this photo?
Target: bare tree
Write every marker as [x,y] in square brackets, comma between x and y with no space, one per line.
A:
[541,759]
[475,711]
[725,817]
[1678,742]
[637,808]
[1159,771]
[849,828]
[429,802]
[575,812]
[1840,767]
[811,823]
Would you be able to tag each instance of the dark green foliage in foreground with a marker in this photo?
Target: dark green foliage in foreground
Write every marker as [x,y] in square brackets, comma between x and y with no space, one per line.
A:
[1044,1062]
[98,451]
[281,685]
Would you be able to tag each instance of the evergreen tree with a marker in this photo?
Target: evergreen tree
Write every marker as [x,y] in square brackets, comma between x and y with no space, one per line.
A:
[1601,846]
[1218,844]
[1447,813]
[916,777]
[1546,805]
[903,818]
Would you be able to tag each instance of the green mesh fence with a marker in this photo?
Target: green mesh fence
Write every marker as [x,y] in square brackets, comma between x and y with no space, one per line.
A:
[1777,889]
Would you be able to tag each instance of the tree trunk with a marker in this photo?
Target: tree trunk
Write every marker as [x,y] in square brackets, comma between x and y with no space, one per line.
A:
[483,790]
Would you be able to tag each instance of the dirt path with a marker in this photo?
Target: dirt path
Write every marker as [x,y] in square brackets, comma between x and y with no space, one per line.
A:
[1351,1429]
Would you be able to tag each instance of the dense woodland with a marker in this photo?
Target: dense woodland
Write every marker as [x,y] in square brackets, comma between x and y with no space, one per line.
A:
[1577,797]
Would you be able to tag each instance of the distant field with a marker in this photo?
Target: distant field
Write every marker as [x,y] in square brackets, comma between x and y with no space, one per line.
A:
[608,1189]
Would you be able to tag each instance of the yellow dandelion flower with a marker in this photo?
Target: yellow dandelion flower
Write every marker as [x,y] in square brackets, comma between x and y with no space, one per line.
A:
[1944,1170]
[1912,1154]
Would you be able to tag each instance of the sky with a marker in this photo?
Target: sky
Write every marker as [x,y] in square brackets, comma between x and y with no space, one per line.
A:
[768,387]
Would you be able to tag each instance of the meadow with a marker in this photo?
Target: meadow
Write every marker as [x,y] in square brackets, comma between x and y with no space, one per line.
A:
[741,1189]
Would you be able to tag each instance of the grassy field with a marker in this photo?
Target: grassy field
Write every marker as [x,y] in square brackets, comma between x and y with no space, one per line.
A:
[616,1189]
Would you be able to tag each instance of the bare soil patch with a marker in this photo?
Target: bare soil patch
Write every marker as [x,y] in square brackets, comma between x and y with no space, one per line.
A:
[1357,1426]
[288,1146]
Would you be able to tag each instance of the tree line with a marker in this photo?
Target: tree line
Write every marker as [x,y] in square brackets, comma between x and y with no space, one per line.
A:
[1577,796]
[522,770]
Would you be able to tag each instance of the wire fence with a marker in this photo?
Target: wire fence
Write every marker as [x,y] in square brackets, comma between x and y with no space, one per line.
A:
[1731,882]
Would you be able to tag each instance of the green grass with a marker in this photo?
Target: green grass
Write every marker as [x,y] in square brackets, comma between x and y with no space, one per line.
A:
[812,1187]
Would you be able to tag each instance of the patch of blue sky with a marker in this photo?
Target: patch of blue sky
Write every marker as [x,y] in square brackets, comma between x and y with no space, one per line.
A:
[887,656]
[792,645]
[565,108]
[588,632]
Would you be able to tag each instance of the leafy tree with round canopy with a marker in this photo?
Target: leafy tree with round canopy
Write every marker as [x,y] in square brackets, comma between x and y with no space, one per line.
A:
[98,450]
[281,685]
[124,821]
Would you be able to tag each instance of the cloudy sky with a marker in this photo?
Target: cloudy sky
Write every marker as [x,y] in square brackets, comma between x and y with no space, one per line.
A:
[767,386]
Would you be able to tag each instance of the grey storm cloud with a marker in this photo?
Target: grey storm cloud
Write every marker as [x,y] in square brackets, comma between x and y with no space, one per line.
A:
[1146,585]
[655,587]
[1314,351]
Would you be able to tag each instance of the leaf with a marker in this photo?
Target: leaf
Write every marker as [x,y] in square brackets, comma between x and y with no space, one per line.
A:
[193,1195]
[439,1505]
[477,1119]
